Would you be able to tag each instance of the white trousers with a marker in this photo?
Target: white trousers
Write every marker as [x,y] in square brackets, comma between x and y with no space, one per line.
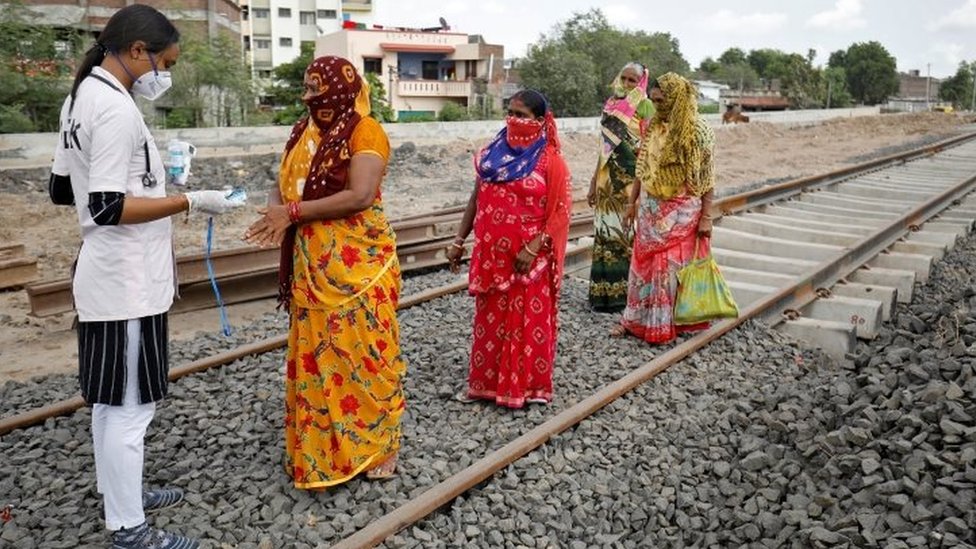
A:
[118,433]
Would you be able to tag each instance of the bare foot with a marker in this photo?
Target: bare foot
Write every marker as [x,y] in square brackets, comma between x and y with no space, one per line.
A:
[618,330]
[384,470]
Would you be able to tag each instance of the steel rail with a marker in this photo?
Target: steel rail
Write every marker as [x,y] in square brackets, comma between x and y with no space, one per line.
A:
[71,405]
[792,297]
[249,273]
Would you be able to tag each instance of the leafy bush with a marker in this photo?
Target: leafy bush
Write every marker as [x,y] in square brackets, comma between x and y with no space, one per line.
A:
[452,112]
[13,120]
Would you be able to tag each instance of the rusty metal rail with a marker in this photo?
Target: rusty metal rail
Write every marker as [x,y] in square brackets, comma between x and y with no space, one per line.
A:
[249,273]
[68,406]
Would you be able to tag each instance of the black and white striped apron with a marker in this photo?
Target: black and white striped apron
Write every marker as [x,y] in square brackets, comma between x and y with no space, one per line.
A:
[101,359]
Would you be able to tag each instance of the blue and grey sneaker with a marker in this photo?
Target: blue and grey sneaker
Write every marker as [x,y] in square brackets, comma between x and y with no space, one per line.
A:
[144,537]
[154,500]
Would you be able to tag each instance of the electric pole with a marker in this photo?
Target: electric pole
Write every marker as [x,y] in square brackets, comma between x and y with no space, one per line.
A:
[928,86]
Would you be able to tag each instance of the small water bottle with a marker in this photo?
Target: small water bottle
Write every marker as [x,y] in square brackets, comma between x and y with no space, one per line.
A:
[176,165]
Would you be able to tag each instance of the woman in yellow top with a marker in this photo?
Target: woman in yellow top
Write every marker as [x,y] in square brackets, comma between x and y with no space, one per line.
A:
[671,207]
[340,280]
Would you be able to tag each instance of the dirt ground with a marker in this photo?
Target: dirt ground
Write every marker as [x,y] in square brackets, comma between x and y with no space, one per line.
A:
[420,178]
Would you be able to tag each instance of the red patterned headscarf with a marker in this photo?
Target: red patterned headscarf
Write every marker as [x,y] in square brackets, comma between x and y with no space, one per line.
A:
[333,111]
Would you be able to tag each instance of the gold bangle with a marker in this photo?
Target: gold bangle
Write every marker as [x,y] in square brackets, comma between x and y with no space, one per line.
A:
[457,246]
[530,252]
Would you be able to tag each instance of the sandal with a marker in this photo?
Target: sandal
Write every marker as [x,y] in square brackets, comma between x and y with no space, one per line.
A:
[462,397]
[618,330]
[384,470]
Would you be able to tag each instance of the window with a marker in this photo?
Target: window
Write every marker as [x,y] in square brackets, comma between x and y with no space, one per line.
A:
[284,12]
[247,43]
[470,69]
[284,42]
[262,43]
[373,65]
[245,10]
[264,74]
[429,70]
[327,14]
[261,13]
[306,17]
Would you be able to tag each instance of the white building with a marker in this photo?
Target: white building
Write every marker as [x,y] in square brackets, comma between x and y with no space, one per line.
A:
[421,70]
[708,91]
[273,30]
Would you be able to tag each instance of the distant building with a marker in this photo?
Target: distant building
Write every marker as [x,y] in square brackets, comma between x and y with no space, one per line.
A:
[912,85]
[756,101]
[274,30]
[708,91]
[423,70]
[916,93]
[204,18]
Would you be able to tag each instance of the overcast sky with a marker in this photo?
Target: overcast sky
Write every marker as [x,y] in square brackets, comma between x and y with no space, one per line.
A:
[916,32]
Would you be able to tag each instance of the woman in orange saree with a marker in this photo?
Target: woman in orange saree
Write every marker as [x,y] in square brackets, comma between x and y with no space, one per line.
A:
[340,279]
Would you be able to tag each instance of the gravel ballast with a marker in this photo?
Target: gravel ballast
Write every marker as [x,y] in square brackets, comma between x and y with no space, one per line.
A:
[753,441]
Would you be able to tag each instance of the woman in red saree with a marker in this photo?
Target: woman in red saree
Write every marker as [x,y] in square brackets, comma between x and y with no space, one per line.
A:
[671,206]
[519,211]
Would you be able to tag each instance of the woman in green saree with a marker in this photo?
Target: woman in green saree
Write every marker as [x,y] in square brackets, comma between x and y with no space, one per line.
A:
[625,115]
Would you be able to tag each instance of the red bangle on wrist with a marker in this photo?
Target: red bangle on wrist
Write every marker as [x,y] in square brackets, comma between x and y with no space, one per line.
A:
[294,213]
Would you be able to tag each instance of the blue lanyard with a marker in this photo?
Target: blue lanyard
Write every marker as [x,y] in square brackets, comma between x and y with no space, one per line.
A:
[224,323]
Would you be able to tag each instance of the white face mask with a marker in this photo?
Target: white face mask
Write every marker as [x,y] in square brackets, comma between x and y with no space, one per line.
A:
[152,85]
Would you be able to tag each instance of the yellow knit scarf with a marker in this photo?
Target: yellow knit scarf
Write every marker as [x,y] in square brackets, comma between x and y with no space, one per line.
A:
[679,166]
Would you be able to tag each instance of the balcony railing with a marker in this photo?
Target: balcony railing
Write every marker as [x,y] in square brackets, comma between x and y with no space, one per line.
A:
[434,88]
[357,5]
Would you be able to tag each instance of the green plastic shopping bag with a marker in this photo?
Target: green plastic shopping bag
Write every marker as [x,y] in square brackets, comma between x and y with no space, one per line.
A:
[703,294]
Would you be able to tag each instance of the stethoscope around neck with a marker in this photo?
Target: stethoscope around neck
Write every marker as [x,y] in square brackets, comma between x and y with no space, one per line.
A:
[148,179]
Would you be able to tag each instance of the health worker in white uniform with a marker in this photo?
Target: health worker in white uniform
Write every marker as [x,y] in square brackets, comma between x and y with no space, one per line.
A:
[107,165]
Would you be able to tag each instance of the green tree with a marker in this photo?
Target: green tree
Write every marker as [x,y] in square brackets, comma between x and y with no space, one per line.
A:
[733,56]
[838,59]
[211,85]
[800,82]
[569,79]
[767,62]
[708,67]
[871,72]
[381,109]
[594,51]
[737,76]
[36,66]
[834,89]
[286,92]
[958,89]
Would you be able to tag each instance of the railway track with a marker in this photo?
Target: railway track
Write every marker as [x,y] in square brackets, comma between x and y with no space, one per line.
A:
[250,273]
[792,252]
